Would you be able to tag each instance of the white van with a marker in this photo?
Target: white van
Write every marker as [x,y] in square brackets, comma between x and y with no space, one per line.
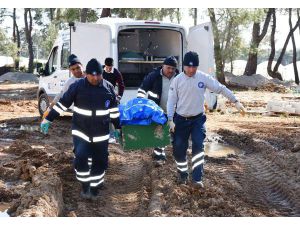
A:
[136,47]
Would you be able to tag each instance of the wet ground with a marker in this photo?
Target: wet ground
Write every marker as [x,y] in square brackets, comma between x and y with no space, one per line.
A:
[251,167]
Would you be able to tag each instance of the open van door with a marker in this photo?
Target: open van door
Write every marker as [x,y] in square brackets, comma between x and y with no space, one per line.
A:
[200,40]
[91,41]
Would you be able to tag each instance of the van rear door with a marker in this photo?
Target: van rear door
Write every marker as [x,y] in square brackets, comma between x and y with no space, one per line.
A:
[200,40]
[91,41]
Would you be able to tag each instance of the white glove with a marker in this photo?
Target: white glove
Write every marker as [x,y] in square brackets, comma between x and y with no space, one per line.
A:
[171,125]
[240,108]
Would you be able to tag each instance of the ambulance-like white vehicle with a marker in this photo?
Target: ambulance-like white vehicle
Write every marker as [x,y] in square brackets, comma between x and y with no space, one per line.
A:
[136,47]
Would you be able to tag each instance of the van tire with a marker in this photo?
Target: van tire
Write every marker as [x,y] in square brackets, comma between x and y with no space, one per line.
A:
[43,103]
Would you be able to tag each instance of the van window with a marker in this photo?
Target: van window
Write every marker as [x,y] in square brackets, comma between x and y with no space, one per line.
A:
[52,63]
[65,52]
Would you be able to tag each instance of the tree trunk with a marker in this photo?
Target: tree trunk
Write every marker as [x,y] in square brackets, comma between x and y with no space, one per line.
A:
[294,49]
[14,26]
[231,65]
[272,73]
[228,36]
[195,16]
[217,48]
[83,15]
[16,38]
[52,10]
[178,15]
[285,45]
[106,12]
[251,65]
[28,30]
[298,16]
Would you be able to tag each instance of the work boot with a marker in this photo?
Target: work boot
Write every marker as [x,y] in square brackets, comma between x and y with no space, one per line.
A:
[85,192]
[159,162]
[94,191]
[197,185]
[101,186]
[182,179]
[159,159]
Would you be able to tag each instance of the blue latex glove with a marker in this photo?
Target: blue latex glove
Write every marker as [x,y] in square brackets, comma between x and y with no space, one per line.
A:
[45,126]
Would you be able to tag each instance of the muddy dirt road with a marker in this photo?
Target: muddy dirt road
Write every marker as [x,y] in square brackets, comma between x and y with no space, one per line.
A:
[251,167]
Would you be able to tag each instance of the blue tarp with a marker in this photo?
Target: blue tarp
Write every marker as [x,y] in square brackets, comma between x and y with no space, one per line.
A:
[141,111]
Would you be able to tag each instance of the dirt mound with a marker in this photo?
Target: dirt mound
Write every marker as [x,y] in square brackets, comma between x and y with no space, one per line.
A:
[17,77]
[271,87]
[253,81]
[5,102]
[43,197]
[256,82]
[7,195]
[18,147]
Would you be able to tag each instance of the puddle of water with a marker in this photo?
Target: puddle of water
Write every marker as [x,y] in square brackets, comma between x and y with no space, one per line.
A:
[16,93]
[3,209]
[37,146]
[6,140]
[29,128]
[3,125]
[10,95]
[5,143]
[2,154]
[5,128]
[213,149]
[14,184]
[10,184]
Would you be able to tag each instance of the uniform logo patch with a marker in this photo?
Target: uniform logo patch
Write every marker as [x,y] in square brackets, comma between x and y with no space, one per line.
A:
[191,63]
[201,84]
[107,103]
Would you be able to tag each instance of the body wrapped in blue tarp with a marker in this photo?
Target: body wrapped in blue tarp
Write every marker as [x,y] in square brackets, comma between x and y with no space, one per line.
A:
[141,111]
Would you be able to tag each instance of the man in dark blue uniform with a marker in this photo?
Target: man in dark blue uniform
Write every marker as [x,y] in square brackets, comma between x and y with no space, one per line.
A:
[156,84]
[95,105]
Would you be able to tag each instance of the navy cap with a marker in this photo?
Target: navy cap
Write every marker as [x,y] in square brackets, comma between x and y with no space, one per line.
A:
[171,61]
[191,59]
[73,59]
[94,67]
[109,62]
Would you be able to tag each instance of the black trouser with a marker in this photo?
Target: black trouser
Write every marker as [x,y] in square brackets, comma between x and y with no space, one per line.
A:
[91,161]
[184,128]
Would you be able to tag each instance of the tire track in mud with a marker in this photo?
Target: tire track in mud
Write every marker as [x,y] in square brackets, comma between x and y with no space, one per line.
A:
[125,194]
[264,185]
[272,187]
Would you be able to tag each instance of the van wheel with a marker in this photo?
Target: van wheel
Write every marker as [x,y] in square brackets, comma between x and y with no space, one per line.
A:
[43,103]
